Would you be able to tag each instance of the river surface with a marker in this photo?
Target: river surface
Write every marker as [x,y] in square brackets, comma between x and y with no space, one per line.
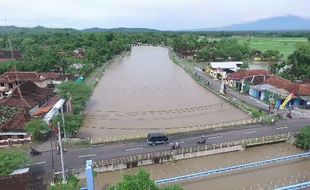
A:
[147,92]
[266,177]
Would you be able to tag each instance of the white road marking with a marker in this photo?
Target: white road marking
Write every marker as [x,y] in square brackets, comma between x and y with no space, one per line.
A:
[88,155]
[133,149]
[249,132]
[60,172]
[279,128]
[215,137]
[181,142]
[39,163]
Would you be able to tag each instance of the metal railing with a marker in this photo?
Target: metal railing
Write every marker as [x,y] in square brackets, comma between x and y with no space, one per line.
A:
[296,186]
[173,131]
[170,154]
[232,168]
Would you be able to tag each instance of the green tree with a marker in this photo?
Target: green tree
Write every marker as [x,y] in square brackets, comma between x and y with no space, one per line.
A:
[298,64]
[79,92]
[11,160]
[303,138]
[37,128]
[140,181]
[72,123]
[272,55]
[72,184]
[244,66]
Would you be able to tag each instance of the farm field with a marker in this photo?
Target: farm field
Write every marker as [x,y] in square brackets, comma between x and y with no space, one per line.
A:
[285,45]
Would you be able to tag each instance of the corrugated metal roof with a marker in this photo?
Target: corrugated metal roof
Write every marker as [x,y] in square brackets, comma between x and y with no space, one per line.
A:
[233,65]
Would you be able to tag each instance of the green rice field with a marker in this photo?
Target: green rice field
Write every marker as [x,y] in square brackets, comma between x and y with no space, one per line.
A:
[284,45]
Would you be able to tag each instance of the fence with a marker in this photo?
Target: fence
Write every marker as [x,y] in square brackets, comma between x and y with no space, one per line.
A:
[173,131]
[182,153]
[235,168]
[14,142]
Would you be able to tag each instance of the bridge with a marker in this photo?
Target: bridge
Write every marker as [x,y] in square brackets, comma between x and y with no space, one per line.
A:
[232,168]
[296,186]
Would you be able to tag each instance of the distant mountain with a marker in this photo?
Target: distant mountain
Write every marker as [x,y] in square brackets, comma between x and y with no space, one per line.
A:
[37,29]
[283,23]
[120,30]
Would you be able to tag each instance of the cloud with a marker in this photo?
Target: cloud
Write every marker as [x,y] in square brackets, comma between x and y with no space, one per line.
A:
[161,14]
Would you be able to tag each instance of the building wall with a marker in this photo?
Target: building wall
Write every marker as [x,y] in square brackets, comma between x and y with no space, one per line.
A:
[34,109]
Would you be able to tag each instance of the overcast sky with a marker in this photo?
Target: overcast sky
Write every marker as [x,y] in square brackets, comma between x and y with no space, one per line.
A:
[158,14]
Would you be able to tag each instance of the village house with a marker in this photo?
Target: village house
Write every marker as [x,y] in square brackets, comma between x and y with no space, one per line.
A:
[220,70]
[12,79]
[269,88]
[28,96]
[236,80]
[12,123]
[26,101]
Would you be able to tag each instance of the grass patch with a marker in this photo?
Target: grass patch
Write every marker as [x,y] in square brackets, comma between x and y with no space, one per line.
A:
[270,119]
[77,143]
[284,45]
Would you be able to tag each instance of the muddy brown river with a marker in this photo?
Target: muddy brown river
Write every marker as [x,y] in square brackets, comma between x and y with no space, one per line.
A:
[145,92]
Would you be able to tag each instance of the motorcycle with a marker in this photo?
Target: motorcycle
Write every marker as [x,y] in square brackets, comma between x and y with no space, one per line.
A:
[34,152]
[289,115]
[175,145]
[63,150]
[201,141]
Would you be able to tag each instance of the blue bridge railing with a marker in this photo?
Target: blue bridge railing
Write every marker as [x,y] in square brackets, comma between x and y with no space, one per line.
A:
[232,168]
[296,186]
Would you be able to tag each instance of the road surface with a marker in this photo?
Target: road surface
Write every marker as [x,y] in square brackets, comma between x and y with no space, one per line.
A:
[75,158]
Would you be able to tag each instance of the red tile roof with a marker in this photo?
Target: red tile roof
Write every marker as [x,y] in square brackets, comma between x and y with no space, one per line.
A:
[27,95]
[21,76]
[247,73]
[47,107]
[304,89]
[15,182]
[282,83]
[17,121]
[299,89]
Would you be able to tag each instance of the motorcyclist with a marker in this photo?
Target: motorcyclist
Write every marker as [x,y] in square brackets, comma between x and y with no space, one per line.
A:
[201,140]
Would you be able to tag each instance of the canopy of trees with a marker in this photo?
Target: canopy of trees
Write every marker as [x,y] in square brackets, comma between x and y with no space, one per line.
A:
[140,181]
[72,123]
[79,92]
[37,127]
[297,66]
[11,160]
[303,138]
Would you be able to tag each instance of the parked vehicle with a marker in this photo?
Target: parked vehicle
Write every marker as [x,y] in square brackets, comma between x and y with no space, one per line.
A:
[156,138]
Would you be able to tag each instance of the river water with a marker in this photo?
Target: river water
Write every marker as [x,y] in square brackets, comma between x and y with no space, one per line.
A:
[147,92]
[267,177]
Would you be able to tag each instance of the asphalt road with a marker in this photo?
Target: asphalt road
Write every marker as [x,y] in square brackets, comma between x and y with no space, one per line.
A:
[75,158]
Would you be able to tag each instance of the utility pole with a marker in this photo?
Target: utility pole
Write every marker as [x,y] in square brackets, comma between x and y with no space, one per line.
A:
[63,121]
[61,155]
[9,41]
[53,167]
